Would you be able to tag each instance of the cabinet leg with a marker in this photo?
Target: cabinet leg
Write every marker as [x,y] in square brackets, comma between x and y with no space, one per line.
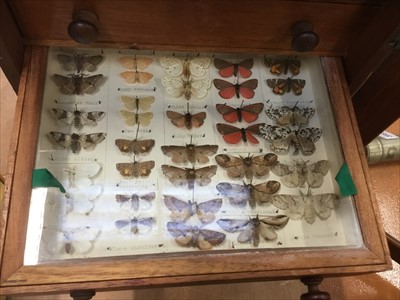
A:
[313,289]
[82,295]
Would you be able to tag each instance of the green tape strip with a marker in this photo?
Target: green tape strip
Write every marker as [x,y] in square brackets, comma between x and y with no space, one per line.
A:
[345,181]
[43,178]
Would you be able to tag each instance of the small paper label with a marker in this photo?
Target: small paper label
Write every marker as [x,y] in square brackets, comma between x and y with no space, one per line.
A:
[388,136]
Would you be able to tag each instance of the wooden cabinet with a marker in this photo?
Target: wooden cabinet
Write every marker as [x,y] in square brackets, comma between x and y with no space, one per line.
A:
[258,28]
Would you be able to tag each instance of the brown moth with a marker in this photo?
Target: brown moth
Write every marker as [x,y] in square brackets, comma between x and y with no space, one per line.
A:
[137,103]
[135,200]
[133,118]
[136,77]
[79,62]
[136,224]
[75,141]
[181,211]
[78,84]
[134,62]
[189,176]
[249,166]
[239,195]
[134,146]
[136,169]
[186,120]
[253,228]
[194,236]
[190,153]
[77,118]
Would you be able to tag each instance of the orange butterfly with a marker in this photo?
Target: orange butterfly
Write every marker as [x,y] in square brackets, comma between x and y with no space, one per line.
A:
[233,135]
[136,77]
[227,69]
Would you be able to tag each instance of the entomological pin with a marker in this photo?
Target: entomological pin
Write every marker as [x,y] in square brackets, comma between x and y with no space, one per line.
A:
[134,201]
[186,120]
[286,115]
[251,229]
[186,67]
[78,84]
[282,86]
[134,62]
[228,90]
[77,118]
[194,236]
[136,225]
[249,166]
[281,138]
[137,103]
[241,194]
[181,210]
[79,62]
[309,206]
[75,141]
[188,88]
[132,118]
[135,168]
[300,172]
[233,135]
[228,69]
[248,113]
[135,146]
[189,176]
[280,66]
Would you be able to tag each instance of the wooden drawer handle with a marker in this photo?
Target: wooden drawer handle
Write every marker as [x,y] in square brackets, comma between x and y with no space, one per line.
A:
[303,37]
[83,28]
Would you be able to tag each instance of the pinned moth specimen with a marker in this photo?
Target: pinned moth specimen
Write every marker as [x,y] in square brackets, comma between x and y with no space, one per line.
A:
[181,211]
[309,206]
[253,228]
[136,225]
[281,138]
[300,172]
[135,200]
[135,168]
[282,86]
[233,135]
[239,195]
[185,66]
[135,146]
[136,77]
[228,69]
[77,118]
[81,176]
[79,62]
[71,241]
[78,84]
[133,118]
[194,236]
[249,166]
[75,141]
[186,120]
[189,176]
[81,200]
[249,113]
[286,115]
[228,90]
[190,153]
[177,87]
[134,62]
[137,103]
[280,66]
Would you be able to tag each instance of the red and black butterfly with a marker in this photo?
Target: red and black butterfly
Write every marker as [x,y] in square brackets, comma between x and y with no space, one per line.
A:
[249,113]
[227,69]
[228,90]
[233,135]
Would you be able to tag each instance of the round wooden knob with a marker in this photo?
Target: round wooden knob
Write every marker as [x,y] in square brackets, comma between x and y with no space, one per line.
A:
[83,28]
[303,37]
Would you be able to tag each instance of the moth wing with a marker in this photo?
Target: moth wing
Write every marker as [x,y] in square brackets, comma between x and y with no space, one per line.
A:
[206,210]
[146,102]
[267,232]
[262,191]
[90,118]
[145,168]
[209,238]
[302,115]
[297,86]
[62,116]
[130,118]
[82,239]
[144,77]
[228,161]
[178,119]
[280,169]
[146,199]
[247,88]
[89,141]
[90,84]
[129,102]
[225,68]
[292,205]
[67,61]
[231,134]
[199,65]
[176,205]
[59,139]
[136,77]
[245,66]
[276,222]
[173,86]
[247,235]
[294,66]
[65,84]
[233,225]
[203,151]
[203,175]
[250,112]
[228,113]
[143,62]
[238,195]
[171,65]
[279,86]
[91,62]
[309,209]
[128,62]
[199,88]
[323,204]
[198,119]
[178,154]
[176,176]
[226,89]
[145,118]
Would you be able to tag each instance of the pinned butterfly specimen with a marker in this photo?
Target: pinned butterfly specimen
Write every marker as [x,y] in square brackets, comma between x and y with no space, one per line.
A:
[78,84]
[79,62]
[190,153]
[252,229]
[240,194]
[133,118]
[186,120]
[300,172]
[227,69]
[136,77]
[233,135]
[189,176]
[177,87]
[81,200]
[75,141]
[309,206]
[135,225]
[135,200]
[281,138]
[280,66]
[194,236]
[290,115]
[134,146]
[137,103]
[228,90]
[181,211]
[81,176]
[282,86]
[185,66]
[249,166]
[249,113]
[136,168]
[77,118]
[71,241]
[134,62]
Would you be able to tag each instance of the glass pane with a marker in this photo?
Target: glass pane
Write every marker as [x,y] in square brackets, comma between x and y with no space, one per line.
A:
[173,152]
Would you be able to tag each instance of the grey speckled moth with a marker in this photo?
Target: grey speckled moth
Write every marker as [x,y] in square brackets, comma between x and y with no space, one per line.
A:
[79,62]
[78,84]
[77,118]
[75,141]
